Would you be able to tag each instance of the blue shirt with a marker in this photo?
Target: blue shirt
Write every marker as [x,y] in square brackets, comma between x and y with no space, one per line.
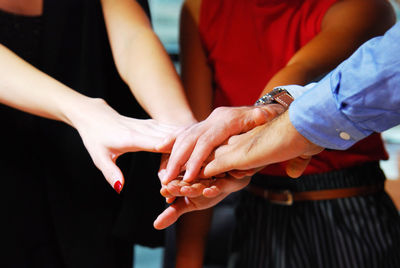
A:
[359,97]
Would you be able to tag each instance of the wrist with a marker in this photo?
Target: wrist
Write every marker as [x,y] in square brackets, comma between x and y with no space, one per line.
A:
[175,120]
[186,118]
[289,145]
[79,111]
[175,112]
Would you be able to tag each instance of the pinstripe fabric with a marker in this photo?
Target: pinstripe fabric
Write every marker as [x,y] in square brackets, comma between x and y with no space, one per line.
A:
[351,232]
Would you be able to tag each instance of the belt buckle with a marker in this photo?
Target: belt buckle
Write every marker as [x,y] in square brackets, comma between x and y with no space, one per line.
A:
[287,202]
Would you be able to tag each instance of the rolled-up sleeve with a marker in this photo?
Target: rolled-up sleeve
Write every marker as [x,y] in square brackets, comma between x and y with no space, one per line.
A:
[359,97]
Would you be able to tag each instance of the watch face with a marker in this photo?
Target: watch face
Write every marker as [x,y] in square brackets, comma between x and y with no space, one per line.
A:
[277,90]
[266,99]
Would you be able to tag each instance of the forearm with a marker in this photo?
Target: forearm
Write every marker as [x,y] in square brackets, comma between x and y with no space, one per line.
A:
[192,238]
[294,74]
[144,64]
[24,87]
[345,26]
[154,82]
[105,133]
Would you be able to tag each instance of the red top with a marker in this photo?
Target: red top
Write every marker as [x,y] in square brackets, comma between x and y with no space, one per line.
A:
[248,41]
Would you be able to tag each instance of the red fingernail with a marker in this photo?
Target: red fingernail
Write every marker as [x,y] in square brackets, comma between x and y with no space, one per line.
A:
[118,186]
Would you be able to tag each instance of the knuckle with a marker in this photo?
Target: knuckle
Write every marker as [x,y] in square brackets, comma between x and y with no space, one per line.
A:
[219,109]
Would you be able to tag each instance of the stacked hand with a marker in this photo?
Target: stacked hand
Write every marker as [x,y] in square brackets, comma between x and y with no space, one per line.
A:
[199,195]
[273,142]
[192,149]
[193,145]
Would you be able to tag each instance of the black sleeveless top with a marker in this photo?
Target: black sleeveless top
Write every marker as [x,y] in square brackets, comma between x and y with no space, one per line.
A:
[50,186]
[21,34]
[28,217]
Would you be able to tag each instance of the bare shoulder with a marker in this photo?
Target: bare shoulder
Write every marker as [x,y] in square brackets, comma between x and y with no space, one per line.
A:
[375,16]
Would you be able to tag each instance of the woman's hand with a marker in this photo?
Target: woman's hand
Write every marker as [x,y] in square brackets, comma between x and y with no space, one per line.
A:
[213,192]
[107,135]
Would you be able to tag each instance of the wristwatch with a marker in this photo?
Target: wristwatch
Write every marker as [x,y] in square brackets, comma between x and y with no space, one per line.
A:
[277,95]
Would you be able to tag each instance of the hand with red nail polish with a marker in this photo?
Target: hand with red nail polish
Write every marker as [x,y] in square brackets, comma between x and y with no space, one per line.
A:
[118,186]
[107,135]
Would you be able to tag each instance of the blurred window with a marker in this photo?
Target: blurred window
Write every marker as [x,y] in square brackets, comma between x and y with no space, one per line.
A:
[165,19]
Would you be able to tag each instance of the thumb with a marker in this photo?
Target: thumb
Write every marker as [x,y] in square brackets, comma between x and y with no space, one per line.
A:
[259,115]
[214,167]
[167,144]
[269,111]
[171,214]
[296,166]
[111,172]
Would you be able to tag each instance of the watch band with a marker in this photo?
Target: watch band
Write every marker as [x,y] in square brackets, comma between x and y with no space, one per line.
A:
[277,95]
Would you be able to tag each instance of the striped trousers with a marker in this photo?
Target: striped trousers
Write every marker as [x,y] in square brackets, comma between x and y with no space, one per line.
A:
[362,231]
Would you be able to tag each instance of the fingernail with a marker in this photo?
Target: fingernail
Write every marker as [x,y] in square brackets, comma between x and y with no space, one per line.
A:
[185,177]
[161,175]
[164,179]
[118,186]
[167,177]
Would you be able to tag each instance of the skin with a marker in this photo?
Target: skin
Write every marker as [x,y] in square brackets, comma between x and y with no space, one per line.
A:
[142,63]
[23,7]
[345,26]
[216,190]
[202,138]
[270,143]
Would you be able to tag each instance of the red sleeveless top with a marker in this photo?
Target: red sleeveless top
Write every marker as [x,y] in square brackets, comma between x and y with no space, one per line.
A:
[248,41]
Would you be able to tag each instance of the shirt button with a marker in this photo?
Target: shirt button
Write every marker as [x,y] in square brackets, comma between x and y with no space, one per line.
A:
[344,136]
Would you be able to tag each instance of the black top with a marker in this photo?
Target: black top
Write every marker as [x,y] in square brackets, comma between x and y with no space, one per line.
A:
[22,34]
[51,188]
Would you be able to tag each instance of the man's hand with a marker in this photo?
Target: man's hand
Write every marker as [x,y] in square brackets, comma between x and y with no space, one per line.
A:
[272,142]
[193,145]
[216,190]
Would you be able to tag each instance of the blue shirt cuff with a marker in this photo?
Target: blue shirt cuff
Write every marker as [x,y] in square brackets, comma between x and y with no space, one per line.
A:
[296,91]
[316,116]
